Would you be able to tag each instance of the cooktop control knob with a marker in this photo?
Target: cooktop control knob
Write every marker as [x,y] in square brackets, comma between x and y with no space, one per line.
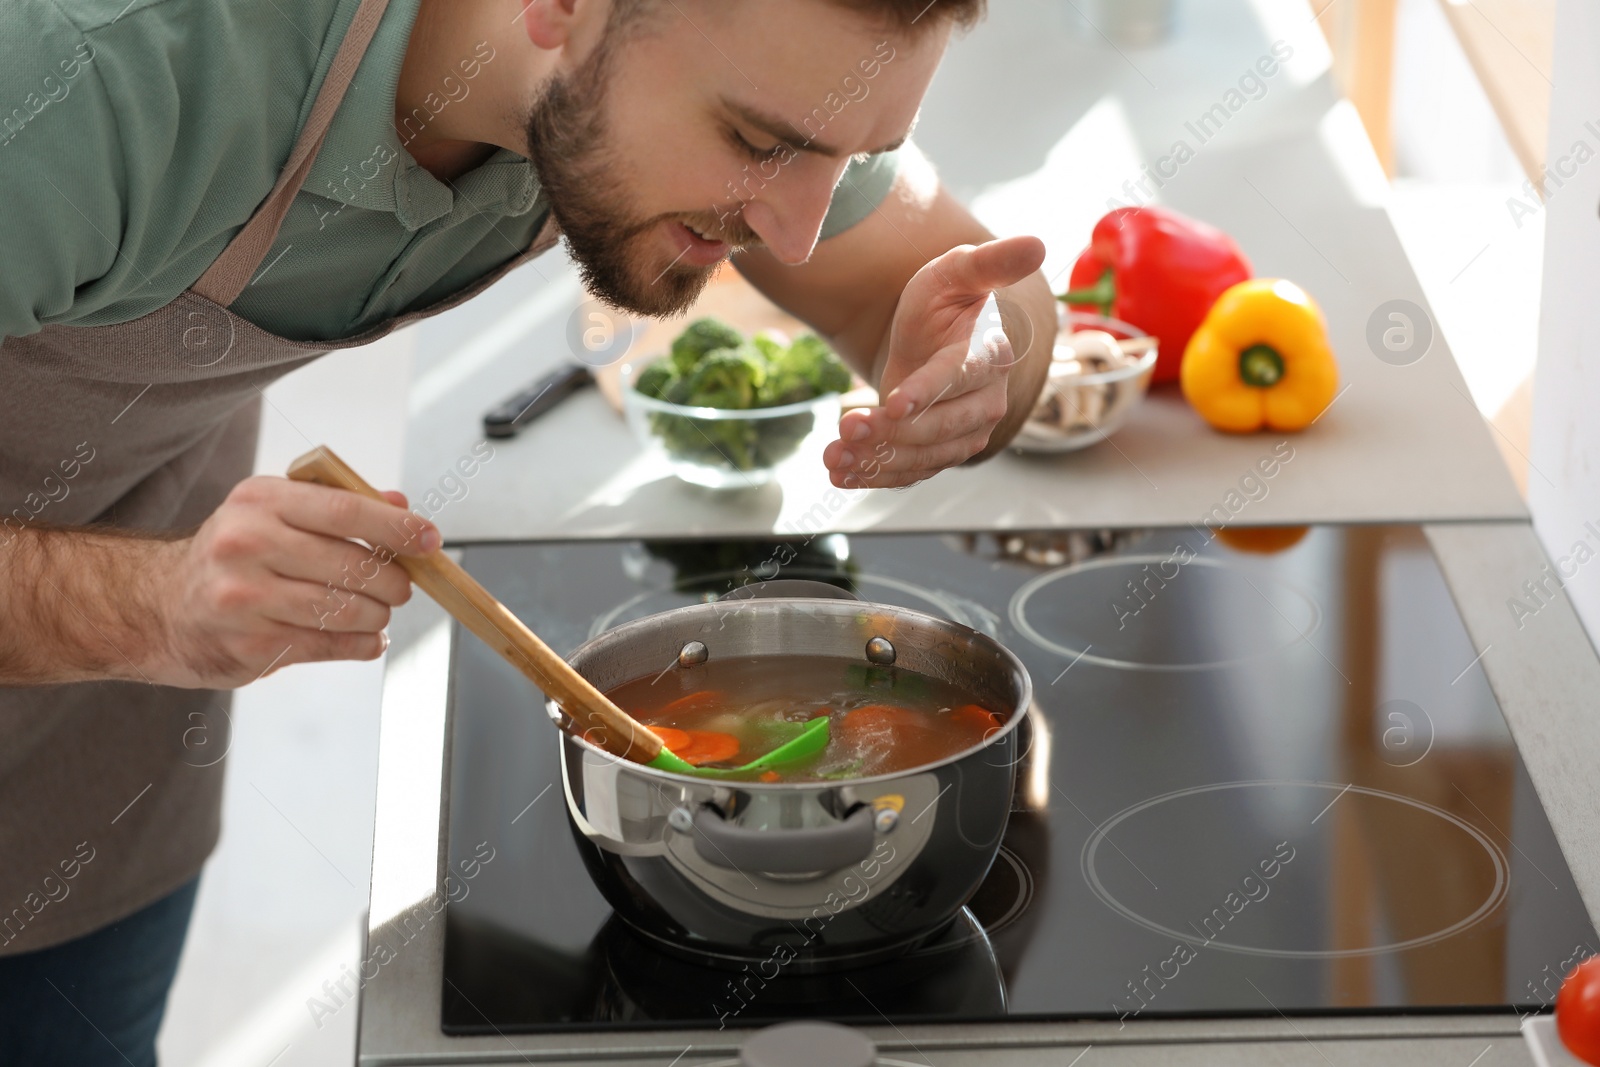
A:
[808,1044]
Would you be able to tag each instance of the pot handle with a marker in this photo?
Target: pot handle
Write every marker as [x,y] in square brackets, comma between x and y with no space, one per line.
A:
[820,848]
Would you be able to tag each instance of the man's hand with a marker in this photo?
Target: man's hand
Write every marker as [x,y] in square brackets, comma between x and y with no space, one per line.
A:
[900,309]
[940,402]
[272,578]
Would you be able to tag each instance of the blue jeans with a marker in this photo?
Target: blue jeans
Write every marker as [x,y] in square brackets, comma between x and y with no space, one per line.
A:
[97,999]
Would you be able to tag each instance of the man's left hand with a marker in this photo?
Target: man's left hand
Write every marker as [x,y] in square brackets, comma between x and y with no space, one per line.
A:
[940,401]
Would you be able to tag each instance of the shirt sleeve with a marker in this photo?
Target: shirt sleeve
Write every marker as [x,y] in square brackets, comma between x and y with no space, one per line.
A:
[864,185]
[62,172]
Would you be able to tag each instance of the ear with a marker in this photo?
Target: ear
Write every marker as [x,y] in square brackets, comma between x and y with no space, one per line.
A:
[550,23]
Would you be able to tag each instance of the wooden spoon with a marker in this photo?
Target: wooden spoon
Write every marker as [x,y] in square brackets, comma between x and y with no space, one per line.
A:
[596,718]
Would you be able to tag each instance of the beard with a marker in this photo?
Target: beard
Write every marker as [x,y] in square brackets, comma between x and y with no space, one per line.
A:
[610,243]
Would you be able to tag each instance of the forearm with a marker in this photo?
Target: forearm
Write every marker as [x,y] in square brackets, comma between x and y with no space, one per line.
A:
[77,605]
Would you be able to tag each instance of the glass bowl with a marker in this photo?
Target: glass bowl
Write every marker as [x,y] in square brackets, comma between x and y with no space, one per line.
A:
[723,448]
[1078,410]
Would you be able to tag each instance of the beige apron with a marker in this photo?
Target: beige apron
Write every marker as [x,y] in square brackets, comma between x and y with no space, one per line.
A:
[110,792]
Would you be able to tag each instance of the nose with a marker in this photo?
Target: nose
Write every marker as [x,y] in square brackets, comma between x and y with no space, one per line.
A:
[787,215]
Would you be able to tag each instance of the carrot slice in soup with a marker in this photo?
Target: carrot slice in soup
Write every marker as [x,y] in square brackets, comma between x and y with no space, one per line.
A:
[882,722]
[885,714]
[706,746]
[673,738]
[697,746]
[692,703]
[978,719]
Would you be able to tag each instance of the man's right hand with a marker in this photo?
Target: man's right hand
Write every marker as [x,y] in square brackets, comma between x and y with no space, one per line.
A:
[273,578]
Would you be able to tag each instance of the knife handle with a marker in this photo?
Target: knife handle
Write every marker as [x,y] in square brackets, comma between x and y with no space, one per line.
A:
[538,398]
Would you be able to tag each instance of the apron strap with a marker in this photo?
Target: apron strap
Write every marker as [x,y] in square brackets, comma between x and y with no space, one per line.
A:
[227,276]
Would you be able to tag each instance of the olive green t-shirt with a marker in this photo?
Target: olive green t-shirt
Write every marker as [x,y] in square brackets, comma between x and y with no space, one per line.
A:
[137,136]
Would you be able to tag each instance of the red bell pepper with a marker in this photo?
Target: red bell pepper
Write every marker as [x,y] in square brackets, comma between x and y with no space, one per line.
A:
[1159,271]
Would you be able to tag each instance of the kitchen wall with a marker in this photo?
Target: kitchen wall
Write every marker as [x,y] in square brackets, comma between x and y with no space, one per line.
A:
[1564,484]
[1454,173]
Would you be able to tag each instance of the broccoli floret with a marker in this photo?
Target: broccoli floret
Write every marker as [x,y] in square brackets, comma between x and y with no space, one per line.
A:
[700,338]
[729,378]
[771,347]
[811,355]
[712,366]
[806,370]
[735,443]
[781,437]
[724,443]
[677,390]
[784,385]
[655,379]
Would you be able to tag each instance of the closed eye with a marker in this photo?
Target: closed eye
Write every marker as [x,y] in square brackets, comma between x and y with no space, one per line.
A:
[759,155]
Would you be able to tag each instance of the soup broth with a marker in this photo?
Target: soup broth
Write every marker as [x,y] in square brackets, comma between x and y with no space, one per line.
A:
[726,713]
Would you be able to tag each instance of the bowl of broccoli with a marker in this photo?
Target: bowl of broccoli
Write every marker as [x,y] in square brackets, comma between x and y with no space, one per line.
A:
[726,409]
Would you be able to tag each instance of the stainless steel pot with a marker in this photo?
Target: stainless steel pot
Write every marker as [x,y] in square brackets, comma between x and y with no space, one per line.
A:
[799,876]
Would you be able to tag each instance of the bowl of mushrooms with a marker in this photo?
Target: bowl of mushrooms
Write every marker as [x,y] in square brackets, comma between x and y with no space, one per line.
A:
[1099,371]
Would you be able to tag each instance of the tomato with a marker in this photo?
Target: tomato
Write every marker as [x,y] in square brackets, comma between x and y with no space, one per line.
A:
[1578,1011]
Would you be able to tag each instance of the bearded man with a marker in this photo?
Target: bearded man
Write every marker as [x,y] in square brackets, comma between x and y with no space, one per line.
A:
[200,197]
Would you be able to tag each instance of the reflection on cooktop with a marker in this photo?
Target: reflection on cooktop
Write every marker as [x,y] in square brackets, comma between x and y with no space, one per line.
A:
[621,978]
[1264,773]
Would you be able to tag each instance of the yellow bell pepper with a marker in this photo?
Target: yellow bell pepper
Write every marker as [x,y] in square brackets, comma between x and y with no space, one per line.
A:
[1260,358]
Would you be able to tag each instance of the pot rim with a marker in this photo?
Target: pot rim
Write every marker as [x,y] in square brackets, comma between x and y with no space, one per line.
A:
[1024,702]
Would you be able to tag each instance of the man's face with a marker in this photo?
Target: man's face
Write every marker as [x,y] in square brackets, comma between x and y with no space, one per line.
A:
[709,127]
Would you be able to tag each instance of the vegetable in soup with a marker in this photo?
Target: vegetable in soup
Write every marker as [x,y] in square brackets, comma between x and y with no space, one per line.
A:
[726,713]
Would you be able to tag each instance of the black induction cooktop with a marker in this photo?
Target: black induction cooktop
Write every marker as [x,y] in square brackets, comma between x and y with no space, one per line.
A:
[1264,774]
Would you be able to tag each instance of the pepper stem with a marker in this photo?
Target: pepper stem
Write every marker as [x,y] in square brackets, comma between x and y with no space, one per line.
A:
[1260,366]
[1102,293]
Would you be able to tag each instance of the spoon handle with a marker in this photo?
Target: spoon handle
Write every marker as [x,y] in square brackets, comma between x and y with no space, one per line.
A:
[446,581]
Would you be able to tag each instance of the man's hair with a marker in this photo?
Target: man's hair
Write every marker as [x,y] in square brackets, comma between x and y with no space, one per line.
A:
[914,14]
[902,14]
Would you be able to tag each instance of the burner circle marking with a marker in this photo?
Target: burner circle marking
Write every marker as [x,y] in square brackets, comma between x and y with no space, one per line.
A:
[1025,891]
[1497,894]
[1019,614]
